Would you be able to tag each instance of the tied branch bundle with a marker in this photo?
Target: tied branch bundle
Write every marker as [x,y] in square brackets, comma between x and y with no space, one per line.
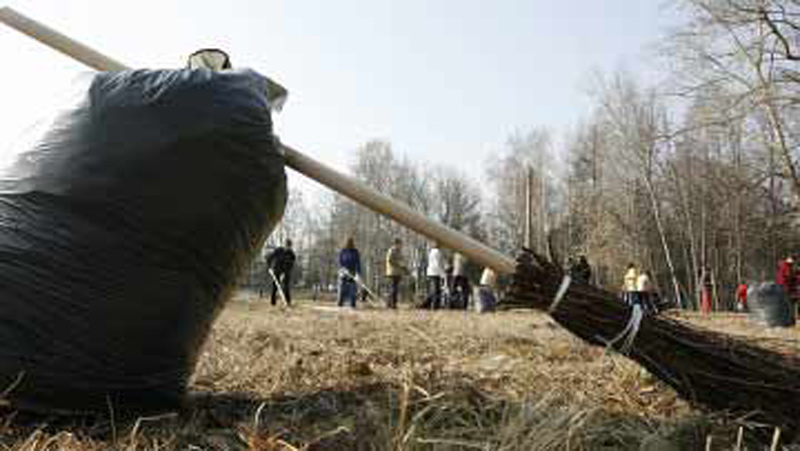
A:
[707,368]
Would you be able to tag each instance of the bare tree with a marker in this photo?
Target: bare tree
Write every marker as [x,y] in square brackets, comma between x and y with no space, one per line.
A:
[749,48]
[507,172]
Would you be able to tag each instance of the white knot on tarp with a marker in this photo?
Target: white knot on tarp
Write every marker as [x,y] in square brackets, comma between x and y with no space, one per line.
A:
[562,290]
[628,334]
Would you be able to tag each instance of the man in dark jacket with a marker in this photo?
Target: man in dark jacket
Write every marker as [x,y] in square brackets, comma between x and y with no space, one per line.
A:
[281,263]
[581,271]
[349,269]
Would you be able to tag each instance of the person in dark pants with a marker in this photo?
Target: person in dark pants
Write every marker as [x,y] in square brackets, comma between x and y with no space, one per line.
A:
[706,290]
[581,271]
[349,268]
[741,297]
[461,285]
[646,292]
[281,263]
[395,270]
[629,292]
[436,276]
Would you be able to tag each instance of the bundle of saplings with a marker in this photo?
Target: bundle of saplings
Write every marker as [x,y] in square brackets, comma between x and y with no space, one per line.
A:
[123,230]
[722,372]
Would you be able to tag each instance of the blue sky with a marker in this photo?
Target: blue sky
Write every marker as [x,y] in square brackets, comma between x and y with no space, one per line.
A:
[444,81]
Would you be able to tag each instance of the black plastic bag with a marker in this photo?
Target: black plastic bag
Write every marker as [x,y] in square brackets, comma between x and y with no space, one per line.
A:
[769,305]
[123,231]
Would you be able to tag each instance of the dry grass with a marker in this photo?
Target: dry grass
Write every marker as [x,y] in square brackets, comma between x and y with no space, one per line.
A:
[329,379]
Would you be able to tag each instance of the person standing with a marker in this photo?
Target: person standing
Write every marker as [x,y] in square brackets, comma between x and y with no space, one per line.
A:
[644,290]
[706,290]
[629,290]
[461,288]
[741,297]
[281,262]
[395,270]
[581,271]
[485,300]
[786,277]
[436,276]
[349,269]
[785,272]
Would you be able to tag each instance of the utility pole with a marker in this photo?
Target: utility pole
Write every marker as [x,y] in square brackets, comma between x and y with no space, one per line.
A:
[528,238]
[542,236]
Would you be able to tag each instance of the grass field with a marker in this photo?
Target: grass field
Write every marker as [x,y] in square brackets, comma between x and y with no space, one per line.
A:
[319,378]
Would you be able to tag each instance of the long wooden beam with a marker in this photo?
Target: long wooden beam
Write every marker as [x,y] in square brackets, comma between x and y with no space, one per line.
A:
[347,186]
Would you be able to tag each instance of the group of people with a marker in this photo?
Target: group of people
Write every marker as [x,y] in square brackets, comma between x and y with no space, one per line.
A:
[787,276]
[637,285]
[448,285]
[280,263]
[638,289]
[580,270]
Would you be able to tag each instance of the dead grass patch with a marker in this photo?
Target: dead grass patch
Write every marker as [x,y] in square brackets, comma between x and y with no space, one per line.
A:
[324,379]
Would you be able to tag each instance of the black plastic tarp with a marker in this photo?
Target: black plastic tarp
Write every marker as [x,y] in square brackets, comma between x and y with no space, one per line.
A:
[123,230]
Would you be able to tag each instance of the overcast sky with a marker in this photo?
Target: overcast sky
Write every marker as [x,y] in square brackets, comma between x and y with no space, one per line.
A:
[445,81]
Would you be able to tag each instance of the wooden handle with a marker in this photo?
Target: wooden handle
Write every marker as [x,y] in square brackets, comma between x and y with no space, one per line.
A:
[58,41]
[355,190]
[400,212]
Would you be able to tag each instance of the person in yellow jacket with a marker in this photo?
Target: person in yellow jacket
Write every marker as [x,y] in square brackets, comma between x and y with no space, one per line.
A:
[395,270]
[629,285]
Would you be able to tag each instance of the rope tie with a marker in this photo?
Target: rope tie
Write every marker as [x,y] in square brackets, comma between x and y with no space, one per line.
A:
[628,334]
[562,290]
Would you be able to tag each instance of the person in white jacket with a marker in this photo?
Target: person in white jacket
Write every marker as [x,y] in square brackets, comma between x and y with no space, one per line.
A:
[436,275]
[485,300]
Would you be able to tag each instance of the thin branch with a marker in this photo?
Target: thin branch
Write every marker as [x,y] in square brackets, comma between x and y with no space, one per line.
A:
[788,54]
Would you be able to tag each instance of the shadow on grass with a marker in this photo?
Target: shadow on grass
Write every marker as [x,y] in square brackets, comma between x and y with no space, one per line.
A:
[376,416]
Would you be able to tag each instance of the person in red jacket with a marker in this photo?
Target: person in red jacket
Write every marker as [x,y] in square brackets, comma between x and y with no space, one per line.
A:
[785,272]
[786,276]
[706,290]
[741,297]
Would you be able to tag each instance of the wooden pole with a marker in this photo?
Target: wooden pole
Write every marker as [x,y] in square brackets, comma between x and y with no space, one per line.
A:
[542,212]
[528,238]
[58,41]
[398,211]
[359,192]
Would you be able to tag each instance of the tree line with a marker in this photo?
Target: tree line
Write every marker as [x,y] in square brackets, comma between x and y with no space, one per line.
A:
[698,171]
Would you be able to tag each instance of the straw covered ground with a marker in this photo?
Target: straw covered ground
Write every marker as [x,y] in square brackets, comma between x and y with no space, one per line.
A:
[318,378]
